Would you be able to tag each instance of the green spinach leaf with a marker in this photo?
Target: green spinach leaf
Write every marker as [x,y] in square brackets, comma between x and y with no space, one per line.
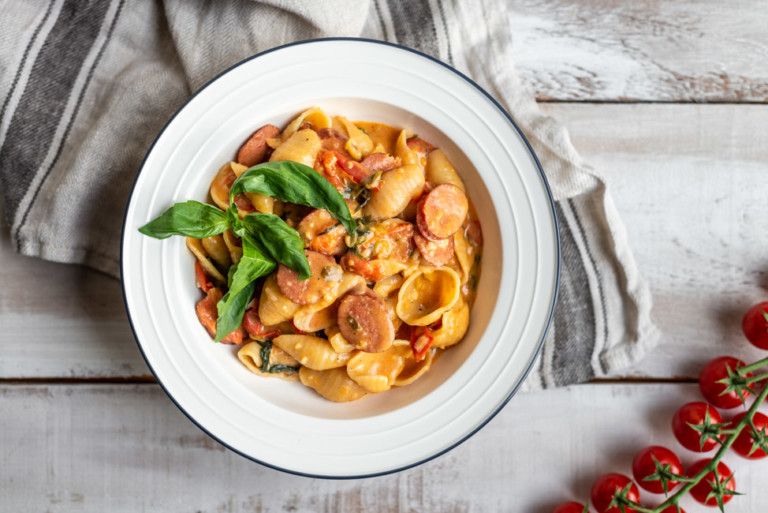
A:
[295,183]
[191,219]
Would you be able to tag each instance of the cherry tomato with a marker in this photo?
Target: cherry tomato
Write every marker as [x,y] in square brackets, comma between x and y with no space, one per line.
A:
[743,443]
[755,325]
[569,507]
[643,466]
[703,489]
[694,413]
[712,391]
[605,489]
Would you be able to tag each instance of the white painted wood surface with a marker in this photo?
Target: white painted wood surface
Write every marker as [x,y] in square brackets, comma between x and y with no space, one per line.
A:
[614,50]
[96,448]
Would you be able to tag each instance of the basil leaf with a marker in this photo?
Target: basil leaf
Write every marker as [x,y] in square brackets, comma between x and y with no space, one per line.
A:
[242,282]
[231,310]
[295,183]
[254,264]
[192,219]
[280,241]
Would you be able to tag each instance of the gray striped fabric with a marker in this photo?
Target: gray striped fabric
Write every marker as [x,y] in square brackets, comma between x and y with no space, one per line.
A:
[86,85]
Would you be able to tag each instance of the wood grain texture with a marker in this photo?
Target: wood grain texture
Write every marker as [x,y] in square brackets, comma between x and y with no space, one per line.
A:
[61,320]
[95,448]
[612,50]
[689,182]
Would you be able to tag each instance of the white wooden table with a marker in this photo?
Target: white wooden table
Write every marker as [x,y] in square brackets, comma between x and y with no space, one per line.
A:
[668,100]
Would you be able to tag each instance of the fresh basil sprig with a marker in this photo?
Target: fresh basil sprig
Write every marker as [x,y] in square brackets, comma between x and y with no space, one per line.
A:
[267,239]
[295,183]
[280,241]
[242,283]
[191,219]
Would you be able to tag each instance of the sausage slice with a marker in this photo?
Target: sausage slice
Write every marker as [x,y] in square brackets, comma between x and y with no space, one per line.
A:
[441,212]
[254,151]
[364,322]
[310,290]
[381,162]
[437,253]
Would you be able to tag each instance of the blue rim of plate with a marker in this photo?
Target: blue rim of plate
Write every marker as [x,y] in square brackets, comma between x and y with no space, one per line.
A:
[557,270]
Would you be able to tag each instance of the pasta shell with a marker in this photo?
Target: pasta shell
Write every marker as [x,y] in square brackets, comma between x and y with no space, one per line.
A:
[315,116]
[334,385]
[453,327]
[302,147]
[274,307]
[396,189]
[376,372]
[427,294]
[337,340]
[322,314]
[233,245]
[440,170]
[197,249]
[251,356]
[412,370]
[358,145]
[221,184]
[218,251]
[313,352]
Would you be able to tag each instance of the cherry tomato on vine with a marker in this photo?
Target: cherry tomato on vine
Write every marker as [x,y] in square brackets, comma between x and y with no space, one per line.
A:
[569,507]
[694,413]
[743,443]
[643,466]
[712,391]
[703,489]
[605,489]
[755,325]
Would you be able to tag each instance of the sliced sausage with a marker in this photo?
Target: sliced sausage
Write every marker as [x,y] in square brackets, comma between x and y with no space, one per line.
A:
[437,253]
[381,162]
[307,291]
[441,212]
[254,151]
[364,322]
[421,147]
[321,232]
[332,140]
[207,313]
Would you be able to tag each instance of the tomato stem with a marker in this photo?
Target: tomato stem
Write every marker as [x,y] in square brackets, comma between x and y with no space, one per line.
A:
[755,379]
[753,366]
[712,465]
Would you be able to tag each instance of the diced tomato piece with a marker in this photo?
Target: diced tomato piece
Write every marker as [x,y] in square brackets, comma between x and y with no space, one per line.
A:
[253,326]
[421,341]
[203,281]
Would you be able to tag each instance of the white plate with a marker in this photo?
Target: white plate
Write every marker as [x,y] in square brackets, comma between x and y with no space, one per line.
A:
[285,425]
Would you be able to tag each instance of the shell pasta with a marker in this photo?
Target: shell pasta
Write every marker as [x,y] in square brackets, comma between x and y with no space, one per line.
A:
[382,300]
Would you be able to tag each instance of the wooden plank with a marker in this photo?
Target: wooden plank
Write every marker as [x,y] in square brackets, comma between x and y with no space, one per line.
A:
[61,320]
[127,448]
[687,179]
[612,50]
[689,182]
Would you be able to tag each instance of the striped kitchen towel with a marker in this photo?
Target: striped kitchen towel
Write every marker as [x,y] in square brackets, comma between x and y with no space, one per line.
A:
[87,84]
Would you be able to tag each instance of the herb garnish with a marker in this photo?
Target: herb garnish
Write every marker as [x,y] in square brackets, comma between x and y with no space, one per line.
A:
[267,239]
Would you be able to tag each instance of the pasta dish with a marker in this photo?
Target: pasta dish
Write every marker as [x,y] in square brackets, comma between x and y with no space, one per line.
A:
[351,277]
